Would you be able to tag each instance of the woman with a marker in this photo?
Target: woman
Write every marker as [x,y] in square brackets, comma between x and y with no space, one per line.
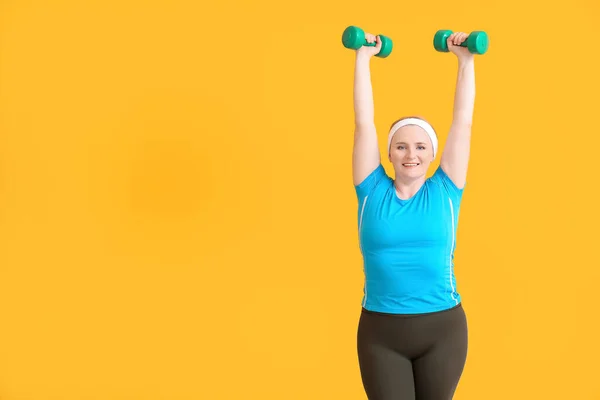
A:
[412,334]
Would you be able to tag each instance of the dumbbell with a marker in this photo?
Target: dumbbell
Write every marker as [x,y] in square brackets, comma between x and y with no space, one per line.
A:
[354,38]
[477,42]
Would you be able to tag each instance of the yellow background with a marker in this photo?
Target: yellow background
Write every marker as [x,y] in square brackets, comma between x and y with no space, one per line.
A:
[177,218]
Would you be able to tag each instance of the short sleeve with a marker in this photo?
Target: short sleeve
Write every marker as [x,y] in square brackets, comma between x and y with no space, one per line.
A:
[370,182]
[441,178]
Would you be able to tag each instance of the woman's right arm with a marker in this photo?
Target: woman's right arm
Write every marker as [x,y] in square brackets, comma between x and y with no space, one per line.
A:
[365,153]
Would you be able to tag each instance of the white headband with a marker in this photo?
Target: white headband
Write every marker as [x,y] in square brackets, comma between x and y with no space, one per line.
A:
[415,121]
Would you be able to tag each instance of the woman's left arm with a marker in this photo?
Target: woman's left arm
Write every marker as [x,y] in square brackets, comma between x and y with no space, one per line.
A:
[455,157]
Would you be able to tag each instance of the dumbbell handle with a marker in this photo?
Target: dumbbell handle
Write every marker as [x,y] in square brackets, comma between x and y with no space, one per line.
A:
[479,39]
[464,43]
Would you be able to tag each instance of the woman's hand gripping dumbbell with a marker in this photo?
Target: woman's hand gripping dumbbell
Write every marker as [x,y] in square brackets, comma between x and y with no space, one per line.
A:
[366,43]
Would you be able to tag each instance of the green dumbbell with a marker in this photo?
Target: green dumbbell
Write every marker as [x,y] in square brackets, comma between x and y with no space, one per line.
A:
[354,38]
[477,42]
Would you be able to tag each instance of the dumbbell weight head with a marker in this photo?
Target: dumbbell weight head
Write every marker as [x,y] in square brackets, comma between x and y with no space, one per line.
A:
[354,38]
[386,46]
[477,42]
[440,40]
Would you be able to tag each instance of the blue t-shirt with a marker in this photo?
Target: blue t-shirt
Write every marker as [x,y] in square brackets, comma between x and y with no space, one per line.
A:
[408,245]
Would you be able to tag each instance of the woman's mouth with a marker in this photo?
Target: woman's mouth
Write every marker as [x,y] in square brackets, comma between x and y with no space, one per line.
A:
[410,165]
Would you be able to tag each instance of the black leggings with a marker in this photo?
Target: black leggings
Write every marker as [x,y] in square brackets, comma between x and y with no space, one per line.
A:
[412,357]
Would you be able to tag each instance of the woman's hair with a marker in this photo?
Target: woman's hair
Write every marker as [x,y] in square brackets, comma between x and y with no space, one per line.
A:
[410,116]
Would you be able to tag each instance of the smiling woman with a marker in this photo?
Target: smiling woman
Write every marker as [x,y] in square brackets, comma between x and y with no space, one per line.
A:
[412,146]
[413,329]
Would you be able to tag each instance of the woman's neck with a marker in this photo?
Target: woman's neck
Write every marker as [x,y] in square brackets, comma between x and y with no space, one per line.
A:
[408,187]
